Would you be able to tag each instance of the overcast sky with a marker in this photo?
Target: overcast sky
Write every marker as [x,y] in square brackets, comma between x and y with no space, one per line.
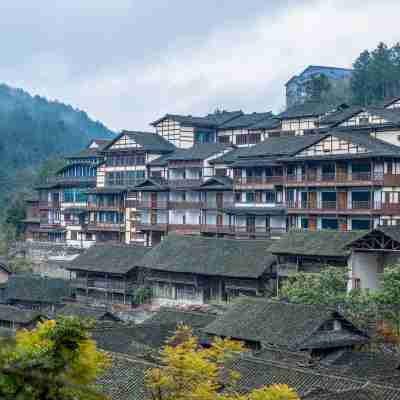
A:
[128,62]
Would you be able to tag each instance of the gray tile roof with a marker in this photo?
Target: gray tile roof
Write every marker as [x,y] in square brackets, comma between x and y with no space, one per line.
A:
[149,141]
[280,324]
[210,121]
[210,256]
[308,109]
[246,120]
[340,115]
[321,243]
[17,315]
[111,258]
[269,123]
[230,156]
[33,288]
[389,114]
[125,380]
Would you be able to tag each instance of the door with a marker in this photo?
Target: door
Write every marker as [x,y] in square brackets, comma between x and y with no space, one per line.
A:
[342,200]
[153,218]
[251,223]
[220,220]
[312,223]
[312,199]
[220,200]
[341,172]
[153,199]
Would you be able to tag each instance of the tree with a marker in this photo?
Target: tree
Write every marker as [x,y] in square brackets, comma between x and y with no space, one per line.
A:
[55,361]
[327,287]
[389,295]
[317,88]
[189,372]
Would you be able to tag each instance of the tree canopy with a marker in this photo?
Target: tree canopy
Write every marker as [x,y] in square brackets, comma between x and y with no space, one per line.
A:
[55,361]
[190,372]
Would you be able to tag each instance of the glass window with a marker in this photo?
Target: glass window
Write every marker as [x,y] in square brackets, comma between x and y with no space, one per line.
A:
[329,223]
[360,224]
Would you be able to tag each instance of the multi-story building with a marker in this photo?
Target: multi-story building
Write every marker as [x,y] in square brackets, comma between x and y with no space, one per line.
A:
[60,213]
[296,87]
[230,174]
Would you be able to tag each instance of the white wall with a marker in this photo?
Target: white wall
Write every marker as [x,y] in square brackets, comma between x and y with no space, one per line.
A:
[366,267]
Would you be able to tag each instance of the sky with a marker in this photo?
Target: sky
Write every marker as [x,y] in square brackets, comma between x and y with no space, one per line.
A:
[129,62]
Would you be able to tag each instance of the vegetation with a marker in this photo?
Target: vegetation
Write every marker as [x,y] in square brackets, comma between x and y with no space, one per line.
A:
[189,372]
[376,75]
[361,306]
[31,129]
[142,295]
[55,361]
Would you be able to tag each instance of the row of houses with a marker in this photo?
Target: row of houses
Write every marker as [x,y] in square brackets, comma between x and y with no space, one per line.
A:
[228,174]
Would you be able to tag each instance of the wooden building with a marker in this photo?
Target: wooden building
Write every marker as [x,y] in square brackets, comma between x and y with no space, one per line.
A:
[106,273]
[198,270]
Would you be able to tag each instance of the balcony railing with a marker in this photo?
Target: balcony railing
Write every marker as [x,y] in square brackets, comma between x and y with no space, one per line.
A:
[104,226]
[334,206]
[143,226]
[100,284]
[184,182]
[61,179]
[106,207]
[337,177]
[185,204]
[258,181]
[217,229]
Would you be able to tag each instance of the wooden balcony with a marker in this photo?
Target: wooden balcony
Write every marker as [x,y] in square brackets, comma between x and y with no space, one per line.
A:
[185,205]
[46,205]
[71,179]
[332,179]
[333,207]
[106,227]
[258,182]
[251,231]
[105,207]
[152,205]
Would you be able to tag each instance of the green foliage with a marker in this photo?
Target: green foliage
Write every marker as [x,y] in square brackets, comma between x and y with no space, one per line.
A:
[327,287]
[376,75]
[49,167]
[55,361]
[317,87]
[190,372]
[142,295]
[32,129]
[20,265]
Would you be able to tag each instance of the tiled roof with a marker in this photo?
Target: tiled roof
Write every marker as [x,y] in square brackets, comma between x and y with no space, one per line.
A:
[125,380]
[246,120]
[340,115]
[308,109]
[230,156]
[17,315]
[33,288]
[149,141]
[210,121]
[91,152]
[111,258]
[280,324]
[390,115]
[322,243]
[217,183]
[269,123]
[210,256]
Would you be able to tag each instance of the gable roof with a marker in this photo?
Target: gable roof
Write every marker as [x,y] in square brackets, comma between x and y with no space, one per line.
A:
[275,323]
[209,121]
[217,183]
[307,109]
[149,141]
[91,152]
[34,288]
[210,256]
[269,123]
[17,315]
[321,243]
[111,258]
[340,115]
[282,145]
[230,156]
[246,120]
[152,184]
[373,147]
[392,232]
[390,115]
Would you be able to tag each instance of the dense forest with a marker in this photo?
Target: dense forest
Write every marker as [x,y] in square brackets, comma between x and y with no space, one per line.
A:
[375,77]
[34,129]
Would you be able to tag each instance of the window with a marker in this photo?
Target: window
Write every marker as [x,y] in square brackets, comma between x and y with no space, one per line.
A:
[360,224]
[364,121]
[356,283]
[270,196]
[224,139]
[304,223]
[254,138]
[329,223]
[241,139]
[89,236]
[238,197]
[249,197]
[220,172]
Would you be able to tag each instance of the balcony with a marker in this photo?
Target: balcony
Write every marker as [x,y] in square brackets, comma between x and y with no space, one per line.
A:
[71,179]
[336,179]
[258,182]
[217,205]
[46,205]
[154,205]
[333,207]
[105,207]
[185,205]
[101,284]
[104,226]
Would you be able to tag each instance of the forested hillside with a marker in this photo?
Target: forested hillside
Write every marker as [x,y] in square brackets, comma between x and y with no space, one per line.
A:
[34,129]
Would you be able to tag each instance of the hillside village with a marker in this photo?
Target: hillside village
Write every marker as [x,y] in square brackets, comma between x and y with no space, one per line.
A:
[201,221]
